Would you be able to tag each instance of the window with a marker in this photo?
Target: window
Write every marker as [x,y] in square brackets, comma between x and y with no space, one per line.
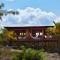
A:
[22,34]
[37,34]
[41,33]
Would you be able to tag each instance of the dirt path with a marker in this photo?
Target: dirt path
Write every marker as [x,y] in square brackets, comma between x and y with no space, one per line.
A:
[53,56]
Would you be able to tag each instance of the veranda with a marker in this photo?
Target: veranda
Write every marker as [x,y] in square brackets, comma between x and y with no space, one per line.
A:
[35,37]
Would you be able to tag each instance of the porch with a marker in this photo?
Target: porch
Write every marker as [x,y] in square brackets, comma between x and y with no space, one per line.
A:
[34,37]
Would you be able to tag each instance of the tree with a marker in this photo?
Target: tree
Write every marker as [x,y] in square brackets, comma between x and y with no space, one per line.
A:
[57,27]
[51,30]
[2,36]
[1,6]
[13,12]
[3,12]
[10,35]
[3,31]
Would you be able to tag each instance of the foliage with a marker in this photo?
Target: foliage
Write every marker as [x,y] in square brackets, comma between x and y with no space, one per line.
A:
[57,27]
[51,30]
[1,39]
[1,5]
[31,54]
[6,37]
[54,30]
[1,36]
[10,35]
[25,54]
[13,12]
[7,12]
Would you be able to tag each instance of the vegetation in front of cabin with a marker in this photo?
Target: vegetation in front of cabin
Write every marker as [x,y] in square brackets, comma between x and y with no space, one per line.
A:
[24,54]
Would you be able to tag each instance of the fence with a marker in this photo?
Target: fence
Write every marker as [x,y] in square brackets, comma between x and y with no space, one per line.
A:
[46,43]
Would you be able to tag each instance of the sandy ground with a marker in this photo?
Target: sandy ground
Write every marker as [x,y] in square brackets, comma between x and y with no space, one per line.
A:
[53,56]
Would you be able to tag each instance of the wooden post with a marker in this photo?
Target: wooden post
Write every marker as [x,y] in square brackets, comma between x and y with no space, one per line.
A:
[17,34]
[28,32]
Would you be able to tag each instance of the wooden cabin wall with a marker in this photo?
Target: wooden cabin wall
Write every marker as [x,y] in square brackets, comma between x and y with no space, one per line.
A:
[44,43]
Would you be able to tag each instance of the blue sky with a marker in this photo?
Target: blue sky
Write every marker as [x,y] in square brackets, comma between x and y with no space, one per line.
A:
[46,6]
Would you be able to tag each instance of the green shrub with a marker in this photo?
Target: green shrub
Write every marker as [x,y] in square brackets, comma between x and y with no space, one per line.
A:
[25,54]
[1,39]
[31,54]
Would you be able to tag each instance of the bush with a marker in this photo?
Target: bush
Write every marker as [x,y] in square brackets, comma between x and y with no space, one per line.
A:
[31,54]
[25,54]
[1,39]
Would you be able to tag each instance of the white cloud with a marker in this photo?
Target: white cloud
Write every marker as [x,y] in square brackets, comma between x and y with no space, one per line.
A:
[30,17]
[57,19]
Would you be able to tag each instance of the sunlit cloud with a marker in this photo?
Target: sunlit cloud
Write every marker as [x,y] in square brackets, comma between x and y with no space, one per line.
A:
[30,17]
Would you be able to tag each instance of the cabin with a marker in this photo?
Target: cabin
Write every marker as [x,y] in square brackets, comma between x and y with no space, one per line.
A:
[33,35]
[34,32]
